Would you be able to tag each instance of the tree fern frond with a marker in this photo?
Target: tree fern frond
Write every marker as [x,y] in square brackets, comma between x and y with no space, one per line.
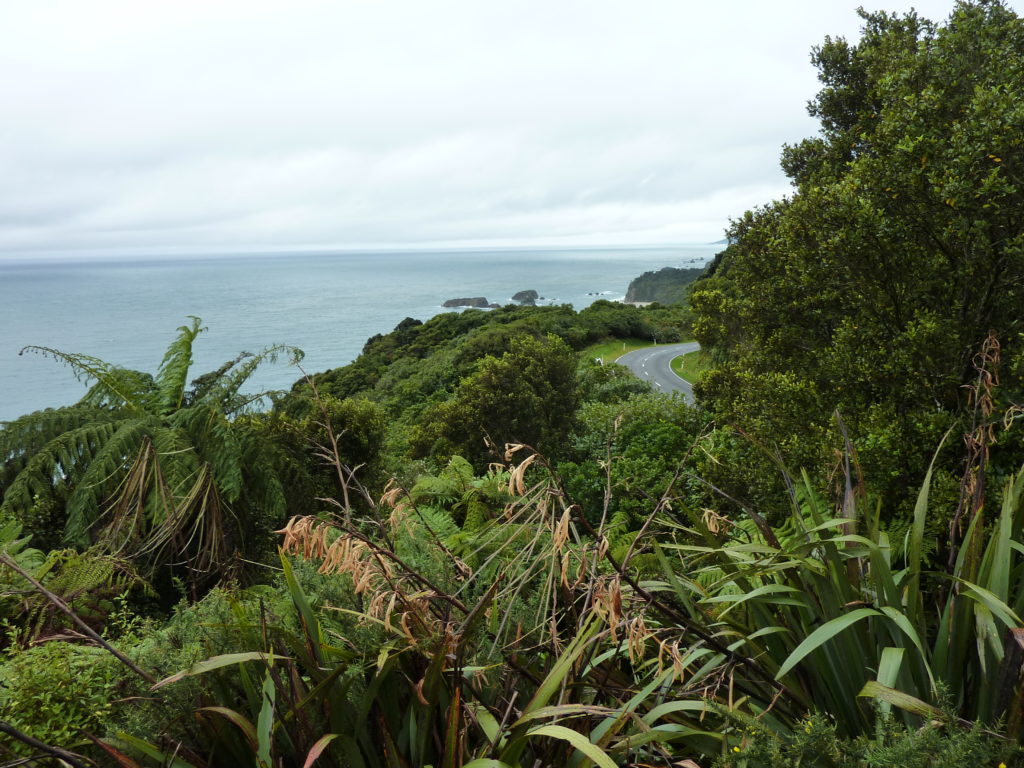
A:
[215,440]
[16,545]
[263,483]
[202,385]
[109,394]
[84,580]
[145,467]
[438,489]
[619,527]
[51,464]
[460,471]
[172,376]
[438,520]
[87,368]
[86,502]
[477,515]
[225,392]
[22,437]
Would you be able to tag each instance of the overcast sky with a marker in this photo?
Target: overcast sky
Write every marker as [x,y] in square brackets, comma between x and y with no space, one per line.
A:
[205,126]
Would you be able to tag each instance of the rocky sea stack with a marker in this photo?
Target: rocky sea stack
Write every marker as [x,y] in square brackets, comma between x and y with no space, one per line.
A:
[526,297]
[479,302]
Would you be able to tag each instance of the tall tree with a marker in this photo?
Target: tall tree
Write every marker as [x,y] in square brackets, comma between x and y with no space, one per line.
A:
[528,395]
[873,287]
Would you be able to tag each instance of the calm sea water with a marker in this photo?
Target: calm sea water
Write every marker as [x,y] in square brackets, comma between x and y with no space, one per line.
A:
[126,312]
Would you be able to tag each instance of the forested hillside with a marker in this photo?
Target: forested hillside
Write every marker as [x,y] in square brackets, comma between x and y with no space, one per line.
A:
[668,285]
[479,546]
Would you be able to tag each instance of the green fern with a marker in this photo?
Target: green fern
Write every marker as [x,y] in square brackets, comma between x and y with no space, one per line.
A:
[172,377]
[87,582]
[146,464]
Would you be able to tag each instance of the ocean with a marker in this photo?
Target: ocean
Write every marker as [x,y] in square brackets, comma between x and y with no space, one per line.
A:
[328,304]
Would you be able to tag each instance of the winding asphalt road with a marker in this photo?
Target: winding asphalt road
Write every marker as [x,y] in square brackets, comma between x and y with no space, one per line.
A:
[652,364]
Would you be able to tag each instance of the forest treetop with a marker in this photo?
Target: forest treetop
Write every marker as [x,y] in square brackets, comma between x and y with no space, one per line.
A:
[873,288]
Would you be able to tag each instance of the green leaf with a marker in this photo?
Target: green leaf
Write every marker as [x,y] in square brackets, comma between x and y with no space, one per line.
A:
[150,751]
[577,740]
[889,670]
[822,635]
[875,690]
[487,722]
[998,608]
[914,548]
[553,681]
[310,625]
[243,723]
[217,662]
[317,749]
[675,706]
[173,374]
[265,721]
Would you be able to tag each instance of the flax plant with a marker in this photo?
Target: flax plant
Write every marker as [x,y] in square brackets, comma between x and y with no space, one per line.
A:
[827,606]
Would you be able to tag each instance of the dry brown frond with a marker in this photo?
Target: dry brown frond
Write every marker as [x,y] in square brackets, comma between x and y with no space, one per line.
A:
[561,533]
[714,521]
[387,594]
[511,449]
[516,481]
[607,600]
[304,536]
[563,578]
[637,635]
[392,493]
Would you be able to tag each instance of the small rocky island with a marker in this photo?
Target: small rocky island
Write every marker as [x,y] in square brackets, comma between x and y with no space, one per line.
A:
[527,298]
[479,302]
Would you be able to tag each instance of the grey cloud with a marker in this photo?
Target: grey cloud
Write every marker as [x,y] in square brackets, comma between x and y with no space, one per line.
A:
[151,127]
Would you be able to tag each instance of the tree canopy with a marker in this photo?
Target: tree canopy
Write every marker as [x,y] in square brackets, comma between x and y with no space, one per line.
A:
[872,288]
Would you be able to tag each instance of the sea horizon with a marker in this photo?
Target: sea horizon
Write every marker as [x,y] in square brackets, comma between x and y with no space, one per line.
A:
[328,304]
[136,256]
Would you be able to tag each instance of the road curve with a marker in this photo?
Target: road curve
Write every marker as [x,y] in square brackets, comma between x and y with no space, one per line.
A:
[652,364]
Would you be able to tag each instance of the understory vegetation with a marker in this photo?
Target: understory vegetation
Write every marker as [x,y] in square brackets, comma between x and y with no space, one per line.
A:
[479,546]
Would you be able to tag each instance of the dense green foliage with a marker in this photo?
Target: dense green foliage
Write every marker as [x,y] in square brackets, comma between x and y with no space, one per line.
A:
[668,285]
[497,552]
[528,395]
[873,288]
[508,375]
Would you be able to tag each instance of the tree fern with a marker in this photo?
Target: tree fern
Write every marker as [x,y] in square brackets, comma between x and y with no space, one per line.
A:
[224,389]
[145,465]
[86,501]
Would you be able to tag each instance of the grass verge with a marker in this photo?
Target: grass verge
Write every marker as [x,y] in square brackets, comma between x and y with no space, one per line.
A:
[691,365]
[611,350]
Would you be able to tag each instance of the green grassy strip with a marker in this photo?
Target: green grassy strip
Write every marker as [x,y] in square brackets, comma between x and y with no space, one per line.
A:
[691,365]
[611,350]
